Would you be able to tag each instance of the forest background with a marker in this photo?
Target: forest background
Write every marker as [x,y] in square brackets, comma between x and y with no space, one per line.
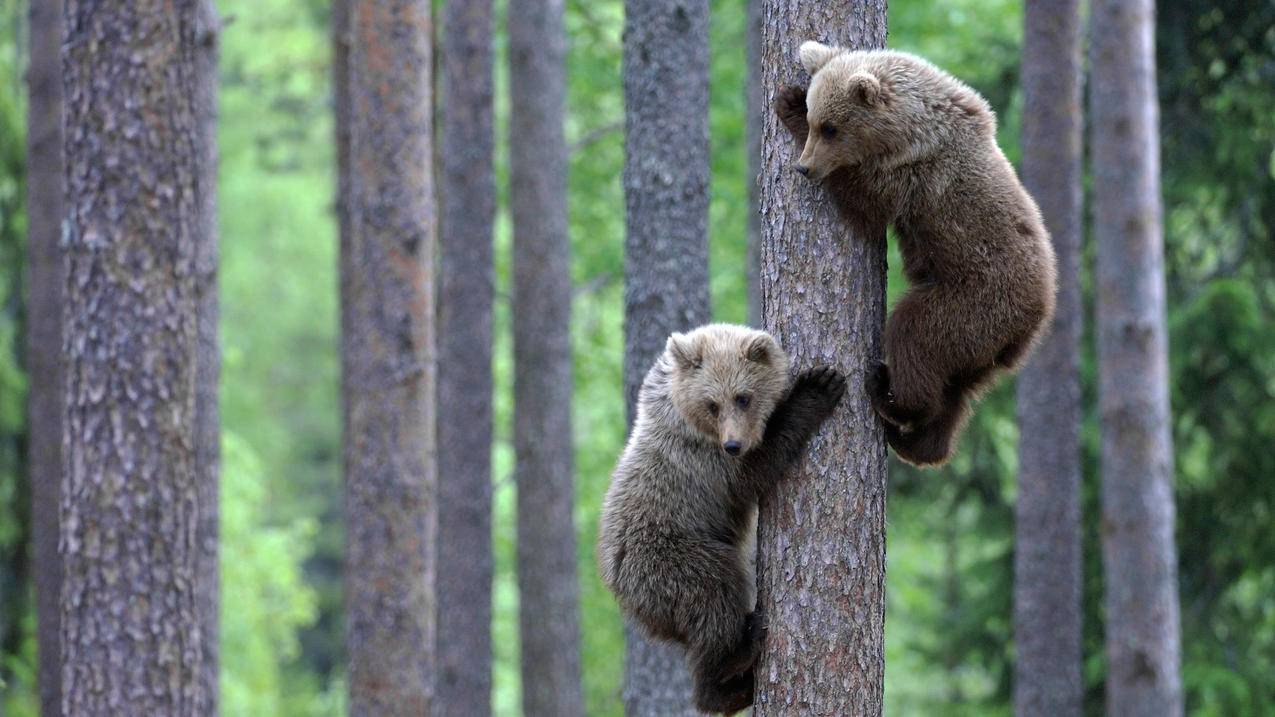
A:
[949,648]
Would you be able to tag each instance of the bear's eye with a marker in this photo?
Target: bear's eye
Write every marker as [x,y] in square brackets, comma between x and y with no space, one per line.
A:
[713,408]
[742,400]
[828,131]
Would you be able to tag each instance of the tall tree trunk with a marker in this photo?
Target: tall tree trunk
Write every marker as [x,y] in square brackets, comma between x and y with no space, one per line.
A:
[1139,557]
[666,174]
[132,502]
[468,199]
[208,356]
[549,588]
[821,540]
[1047,564]
[44,335]
[388,358]
[756,108]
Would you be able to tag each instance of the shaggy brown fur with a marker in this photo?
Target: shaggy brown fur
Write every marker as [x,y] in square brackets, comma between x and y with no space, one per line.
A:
[896,140]
[716,428]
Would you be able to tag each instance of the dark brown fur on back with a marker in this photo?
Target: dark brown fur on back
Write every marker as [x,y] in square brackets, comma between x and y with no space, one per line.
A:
[676,538]
[905,143]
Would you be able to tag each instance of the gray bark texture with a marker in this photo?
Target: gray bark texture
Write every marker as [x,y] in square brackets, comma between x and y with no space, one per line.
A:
[821,534]
[208,356]
[666,175]
[1139,556]
[44,335]
[1047,547]
[757,109]
[547,581]
[467,203]
[132,503]
[388,358]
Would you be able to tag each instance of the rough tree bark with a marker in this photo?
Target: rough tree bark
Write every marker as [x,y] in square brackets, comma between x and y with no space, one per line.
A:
[755,103]
[821,541]
[468,199]
[1139,557]
[388,358]
[208,356]
[547,582]
[44,335]
[666,173]
[1047,557]
[132,502]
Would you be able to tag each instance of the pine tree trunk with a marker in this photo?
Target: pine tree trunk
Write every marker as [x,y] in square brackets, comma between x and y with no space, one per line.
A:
[208,357]
[467,195]
[44,335]
[756,108]
[821,540]
[388,358]
[1047,553]
[666,174]
[132,502]
[1139,557]
[547,581]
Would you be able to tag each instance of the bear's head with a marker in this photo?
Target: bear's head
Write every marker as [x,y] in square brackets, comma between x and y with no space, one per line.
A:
[726,381]
[864,105]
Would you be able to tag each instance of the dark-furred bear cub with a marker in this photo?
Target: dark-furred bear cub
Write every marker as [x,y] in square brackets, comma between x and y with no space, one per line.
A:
[717,426]
[894,139]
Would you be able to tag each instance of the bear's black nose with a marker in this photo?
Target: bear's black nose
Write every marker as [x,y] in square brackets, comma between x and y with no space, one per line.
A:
[732,447]
[805,171]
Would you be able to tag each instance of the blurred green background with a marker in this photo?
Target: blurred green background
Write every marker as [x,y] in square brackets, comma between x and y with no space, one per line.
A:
[949,648]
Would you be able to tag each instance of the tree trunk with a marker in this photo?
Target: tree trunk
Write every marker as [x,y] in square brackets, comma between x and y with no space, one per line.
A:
[756,108]
[468,201]
[821,540]
[666,175]
[1047,548]
[388,358]
[132,502]
[208,356]
[1139,557]
[44,335]
[547,582]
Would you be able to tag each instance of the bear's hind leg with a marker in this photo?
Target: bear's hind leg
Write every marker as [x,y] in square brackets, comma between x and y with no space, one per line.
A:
[722,664]
[932,443]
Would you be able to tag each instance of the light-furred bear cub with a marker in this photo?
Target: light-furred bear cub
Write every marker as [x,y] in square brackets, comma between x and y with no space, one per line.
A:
[894,139]
[717,426]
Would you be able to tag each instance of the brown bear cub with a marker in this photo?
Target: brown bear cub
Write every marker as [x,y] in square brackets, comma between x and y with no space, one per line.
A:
[717,426]
[895,140]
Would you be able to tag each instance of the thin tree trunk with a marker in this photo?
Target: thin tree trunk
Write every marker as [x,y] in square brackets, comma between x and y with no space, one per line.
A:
[1139,557]
[549,588]
[666,175]
[44,335]
[468,199]
[756,108]
[388,358]
[132,623]
[1047,564]
[208,356]
[821,540]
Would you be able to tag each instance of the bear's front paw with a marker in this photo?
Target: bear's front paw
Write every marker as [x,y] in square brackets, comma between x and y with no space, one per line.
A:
[819,390]
[790,105]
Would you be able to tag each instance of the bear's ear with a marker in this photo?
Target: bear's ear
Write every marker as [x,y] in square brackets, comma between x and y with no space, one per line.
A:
[684,351]
[864,87]
[815,55]
[760,349]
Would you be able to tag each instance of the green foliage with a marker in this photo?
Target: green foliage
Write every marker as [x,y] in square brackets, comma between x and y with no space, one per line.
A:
[17,624]
[264,596]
